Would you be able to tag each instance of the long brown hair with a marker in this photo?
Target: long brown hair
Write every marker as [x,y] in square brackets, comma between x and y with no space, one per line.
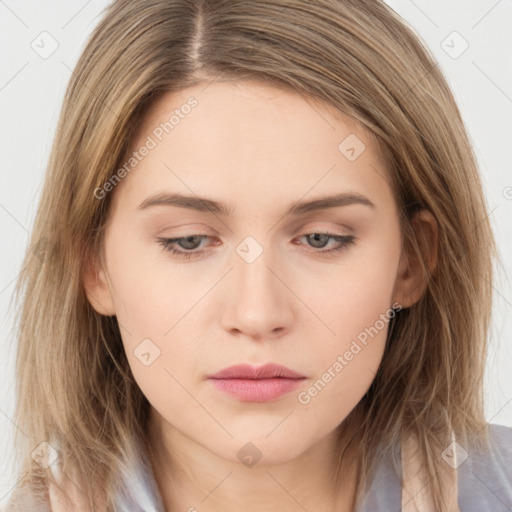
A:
[360,58]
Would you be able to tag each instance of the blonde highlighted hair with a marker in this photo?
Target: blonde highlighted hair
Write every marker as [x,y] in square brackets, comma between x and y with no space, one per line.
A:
[360,58]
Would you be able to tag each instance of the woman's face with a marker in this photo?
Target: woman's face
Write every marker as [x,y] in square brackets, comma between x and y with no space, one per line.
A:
[253,284]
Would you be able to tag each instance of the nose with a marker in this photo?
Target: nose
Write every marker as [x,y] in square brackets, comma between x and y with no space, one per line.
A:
[261,305]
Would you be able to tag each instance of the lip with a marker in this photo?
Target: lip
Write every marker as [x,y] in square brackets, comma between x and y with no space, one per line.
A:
[256,384]
[266,371]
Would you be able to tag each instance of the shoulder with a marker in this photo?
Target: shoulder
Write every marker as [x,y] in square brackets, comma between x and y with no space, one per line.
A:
[138,490]
[53,500]
[485,476]
[71,500]
[68,492]
[23,500]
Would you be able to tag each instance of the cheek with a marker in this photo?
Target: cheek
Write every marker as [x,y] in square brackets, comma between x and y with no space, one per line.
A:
[355,304]
[157,307]
[152,311]
[151,294]
[352,299]
[346,362]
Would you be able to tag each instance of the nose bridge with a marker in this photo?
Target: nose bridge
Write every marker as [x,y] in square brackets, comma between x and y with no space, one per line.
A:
[256,284]
[260,305]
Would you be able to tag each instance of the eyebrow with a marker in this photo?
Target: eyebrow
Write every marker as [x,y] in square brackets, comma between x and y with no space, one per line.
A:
[204,204]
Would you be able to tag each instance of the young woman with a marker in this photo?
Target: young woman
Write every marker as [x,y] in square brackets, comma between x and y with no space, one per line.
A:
[260,273]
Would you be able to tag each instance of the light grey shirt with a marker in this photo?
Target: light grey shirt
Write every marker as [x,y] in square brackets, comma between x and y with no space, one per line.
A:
[484,479]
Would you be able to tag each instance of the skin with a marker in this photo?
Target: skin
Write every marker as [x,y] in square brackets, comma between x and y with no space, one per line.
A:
[258,149]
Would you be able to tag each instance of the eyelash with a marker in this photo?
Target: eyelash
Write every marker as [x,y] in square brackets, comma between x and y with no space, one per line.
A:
[344,240]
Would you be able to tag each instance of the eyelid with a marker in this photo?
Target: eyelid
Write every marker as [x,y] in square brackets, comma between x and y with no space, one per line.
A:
[304,231]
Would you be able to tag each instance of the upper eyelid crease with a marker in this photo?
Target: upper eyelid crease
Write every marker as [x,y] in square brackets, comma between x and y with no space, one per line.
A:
[203,204]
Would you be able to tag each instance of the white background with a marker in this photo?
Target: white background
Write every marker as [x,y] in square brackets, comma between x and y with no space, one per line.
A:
[31,92]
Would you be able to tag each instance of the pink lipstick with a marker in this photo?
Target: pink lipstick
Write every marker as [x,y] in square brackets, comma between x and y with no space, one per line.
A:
[256,384]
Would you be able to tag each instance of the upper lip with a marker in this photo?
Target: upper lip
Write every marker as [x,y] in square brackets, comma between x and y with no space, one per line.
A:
[246,371]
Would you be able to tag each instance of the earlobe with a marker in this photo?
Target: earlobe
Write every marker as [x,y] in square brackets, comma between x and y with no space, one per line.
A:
[412,276]
[96,287]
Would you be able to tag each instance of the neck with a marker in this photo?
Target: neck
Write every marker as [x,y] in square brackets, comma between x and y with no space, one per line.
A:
[192,478]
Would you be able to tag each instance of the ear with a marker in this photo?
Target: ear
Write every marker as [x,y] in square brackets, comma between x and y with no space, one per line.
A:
[411,281]
[96,286]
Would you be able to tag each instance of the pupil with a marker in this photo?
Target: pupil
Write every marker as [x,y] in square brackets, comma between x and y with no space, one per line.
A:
[190,240]
[316,236]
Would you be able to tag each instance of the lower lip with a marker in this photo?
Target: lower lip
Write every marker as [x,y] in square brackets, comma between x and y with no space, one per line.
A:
[256,390]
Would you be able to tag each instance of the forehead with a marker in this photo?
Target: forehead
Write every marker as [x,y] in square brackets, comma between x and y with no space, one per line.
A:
[258,140]
[248,105]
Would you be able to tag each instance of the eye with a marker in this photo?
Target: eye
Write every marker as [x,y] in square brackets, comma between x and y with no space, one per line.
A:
[320,240]
[189,244]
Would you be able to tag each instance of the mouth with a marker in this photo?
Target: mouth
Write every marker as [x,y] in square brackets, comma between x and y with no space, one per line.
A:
[256,384]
